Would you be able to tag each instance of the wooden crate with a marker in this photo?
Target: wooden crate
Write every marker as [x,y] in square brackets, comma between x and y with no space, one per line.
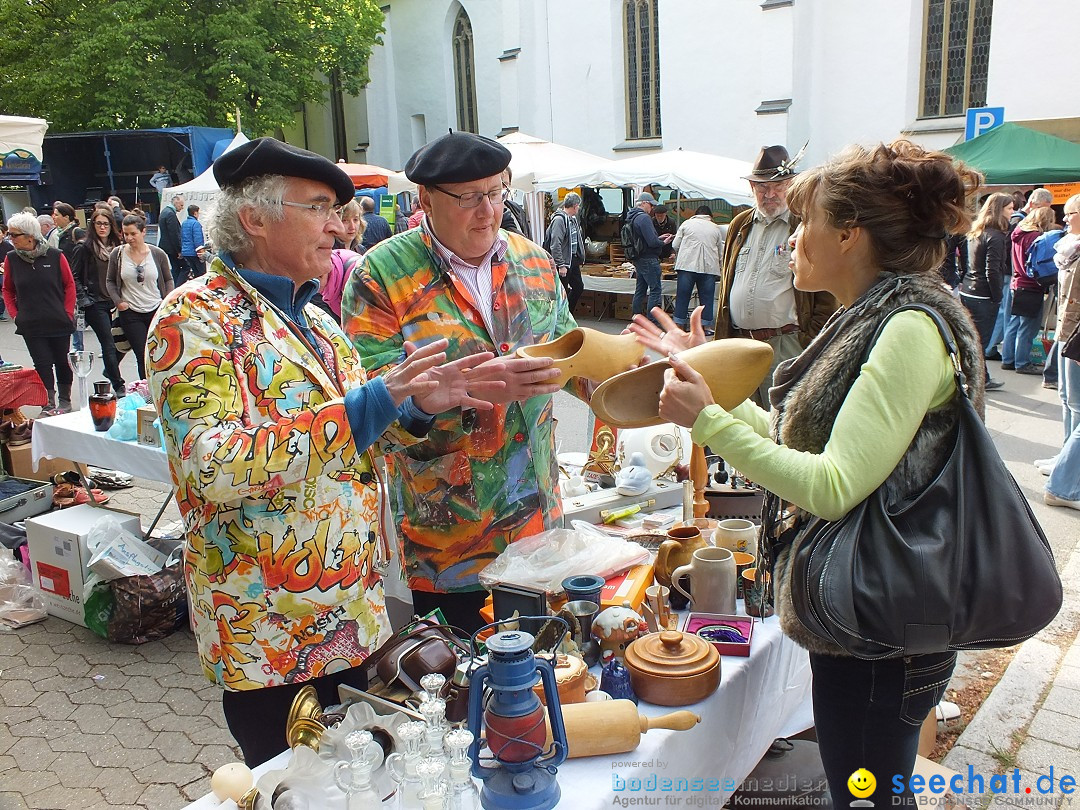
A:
[616,254]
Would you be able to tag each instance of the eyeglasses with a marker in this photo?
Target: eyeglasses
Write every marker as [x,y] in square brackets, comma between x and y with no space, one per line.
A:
[323,209]
[15,234]
[471,199]
[1067,213]
[101,223]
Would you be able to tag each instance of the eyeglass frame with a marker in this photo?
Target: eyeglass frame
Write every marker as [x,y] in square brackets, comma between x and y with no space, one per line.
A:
[325,209]
[12,235]
[140,273]
[1069,213]
[503,193]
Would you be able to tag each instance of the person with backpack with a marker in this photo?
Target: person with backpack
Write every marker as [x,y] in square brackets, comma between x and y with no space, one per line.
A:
[1026,311]
[643,247]
[567,247]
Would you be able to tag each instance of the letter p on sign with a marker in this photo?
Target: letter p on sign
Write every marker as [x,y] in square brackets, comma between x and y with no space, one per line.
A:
[981,120]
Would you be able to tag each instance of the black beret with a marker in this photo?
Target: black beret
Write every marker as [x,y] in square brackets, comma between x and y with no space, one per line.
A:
[457,157]
[270,156]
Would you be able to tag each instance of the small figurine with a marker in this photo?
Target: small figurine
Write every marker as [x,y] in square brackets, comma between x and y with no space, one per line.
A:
[633,479]
[616,627]
[615,679]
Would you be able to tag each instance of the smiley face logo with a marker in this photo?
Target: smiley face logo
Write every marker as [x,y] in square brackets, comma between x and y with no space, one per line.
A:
[861,783]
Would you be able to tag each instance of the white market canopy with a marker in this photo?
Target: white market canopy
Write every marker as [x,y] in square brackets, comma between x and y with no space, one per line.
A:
[695,173]
[18,133]
[204,188]
[532,161]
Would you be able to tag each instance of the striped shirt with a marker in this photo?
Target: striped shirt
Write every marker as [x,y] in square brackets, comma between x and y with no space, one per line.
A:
[476,278]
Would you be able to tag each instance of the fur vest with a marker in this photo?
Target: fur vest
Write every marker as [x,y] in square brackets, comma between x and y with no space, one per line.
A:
[804,419]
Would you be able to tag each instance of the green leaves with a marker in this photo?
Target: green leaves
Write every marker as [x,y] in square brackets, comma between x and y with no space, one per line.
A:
[120,64]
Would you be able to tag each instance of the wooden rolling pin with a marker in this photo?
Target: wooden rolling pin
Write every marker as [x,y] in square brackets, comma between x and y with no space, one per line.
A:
[613,726]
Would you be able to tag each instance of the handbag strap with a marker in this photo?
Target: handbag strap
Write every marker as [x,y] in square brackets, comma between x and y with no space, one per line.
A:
[447,632]
[946,336]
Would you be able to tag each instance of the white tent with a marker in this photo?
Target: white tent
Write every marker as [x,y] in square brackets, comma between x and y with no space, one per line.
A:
[532,160]
[204,188]
[696,173]
[18,133]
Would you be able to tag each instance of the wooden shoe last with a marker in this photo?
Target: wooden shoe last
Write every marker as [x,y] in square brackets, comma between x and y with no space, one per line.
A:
[733,368]
[584,352]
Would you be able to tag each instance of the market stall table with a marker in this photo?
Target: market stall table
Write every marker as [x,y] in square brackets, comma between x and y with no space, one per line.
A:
[72,436]
[761,697]
[623,286]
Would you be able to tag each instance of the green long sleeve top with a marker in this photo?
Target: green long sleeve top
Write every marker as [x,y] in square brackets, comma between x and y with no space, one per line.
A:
[907,374]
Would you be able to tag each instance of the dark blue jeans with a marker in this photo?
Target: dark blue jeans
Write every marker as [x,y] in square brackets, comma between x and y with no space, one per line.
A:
[706,293]
[868,714]
[648,283]
[99,318]
[984,314]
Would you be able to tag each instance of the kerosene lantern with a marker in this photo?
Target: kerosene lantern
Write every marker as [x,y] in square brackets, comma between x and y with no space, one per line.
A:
[518,768]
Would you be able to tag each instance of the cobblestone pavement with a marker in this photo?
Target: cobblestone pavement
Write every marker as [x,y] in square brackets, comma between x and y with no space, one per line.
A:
[91,725]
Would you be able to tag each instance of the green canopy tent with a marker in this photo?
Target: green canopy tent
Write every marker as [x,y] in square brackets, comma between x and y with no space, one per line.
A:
[1015,155]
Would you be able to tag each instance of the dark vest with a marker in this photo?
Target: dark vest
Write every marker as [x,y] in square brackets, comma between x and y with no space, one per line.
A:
[39,293]
[806,416]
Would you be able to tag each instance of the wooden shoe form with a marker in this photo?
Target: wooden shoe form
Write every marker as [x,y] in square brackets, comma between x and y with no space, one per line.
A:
[588,353]
[733,368]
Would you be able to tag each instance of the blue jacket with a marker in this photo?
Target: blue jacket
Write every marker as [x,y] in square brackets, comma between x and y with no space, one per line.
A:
[191,236]
[642,223]
[377,230]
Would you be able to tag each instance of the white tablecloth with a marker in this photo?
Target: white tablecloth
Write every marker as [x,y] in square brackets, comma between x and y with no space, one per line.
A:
[72,436]
[760,698]
[621,285]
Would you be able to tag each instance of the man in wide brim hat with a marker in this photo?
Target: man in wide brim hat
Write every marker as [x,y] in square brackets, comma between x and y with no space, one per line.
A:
[773,164]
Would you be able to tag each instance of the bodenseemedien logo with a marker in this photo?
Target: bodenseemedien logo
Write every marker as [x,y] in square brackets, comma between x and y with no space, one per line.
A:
[861,784]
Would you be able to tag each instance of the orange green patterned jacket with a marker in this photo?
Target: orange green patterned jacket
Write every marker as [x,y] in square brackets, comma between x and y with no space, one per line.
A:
[483,478]
[279,506]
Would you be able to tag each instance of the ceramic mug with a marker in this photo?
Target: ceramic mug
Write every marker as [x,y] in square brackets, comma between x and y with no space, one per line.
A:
[742,562]
[712,580]
[752,593]
[736,534]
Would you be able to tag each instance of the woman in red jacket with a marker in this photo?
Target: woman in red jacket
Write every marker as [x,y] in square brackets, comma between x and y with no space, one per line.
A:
[39,292]
[1025,314]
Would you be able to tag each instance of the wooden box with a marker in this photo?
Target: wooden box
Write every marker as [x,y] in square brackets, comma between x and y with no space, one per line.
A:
[624,309]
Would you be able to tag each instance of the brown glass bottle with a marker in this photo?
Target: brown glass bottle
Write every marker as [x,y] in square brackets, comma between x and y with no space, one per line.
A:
[103,405]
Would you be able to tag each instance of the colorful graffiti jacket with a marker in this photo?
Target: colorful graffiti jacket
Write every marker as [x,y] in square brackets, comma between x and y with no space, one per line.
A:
[279,506]
[483,478]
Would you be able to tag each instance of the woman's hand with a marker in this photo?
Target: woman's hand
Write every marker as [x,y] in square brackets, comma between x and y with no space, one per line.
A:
[685,394]
[121,306]
[667,337]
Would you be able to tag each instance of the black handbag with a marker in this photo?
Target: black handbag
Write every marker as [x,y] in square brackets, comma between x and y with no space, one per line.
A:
[961,565]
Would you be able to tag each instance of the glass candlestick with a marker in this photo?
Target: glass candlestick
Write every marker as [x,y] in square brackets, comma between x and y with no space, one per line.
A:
[81,365]
[353,778]
[461,793]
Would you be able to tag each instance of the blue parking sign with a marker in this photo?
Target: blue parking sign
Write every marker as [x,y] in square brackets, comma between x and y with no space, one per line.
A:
[981,120]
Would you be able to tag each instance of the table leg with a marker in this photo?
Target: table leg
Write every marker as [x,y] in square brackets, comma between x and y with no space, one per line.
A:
[87,484]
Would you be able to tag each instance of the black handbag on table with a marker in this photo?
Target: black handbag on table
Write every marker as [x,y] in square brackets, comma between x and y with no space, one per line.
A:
[962,565]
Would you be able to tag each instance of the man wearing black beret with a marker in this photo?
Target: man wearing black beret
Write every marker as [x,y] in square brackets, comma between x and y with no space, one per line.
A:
[270,428]
[483,478]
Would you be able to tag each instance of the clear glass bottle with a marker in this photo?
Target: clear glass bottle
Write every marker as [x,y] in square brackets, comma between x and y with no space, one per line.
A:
[462,792]
[434,713]
[402,765]
[433,790]
[353,778]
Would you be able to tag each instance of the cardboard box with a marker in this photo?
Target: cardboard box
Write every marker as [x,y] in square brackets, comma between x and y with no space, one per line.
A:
[628,586]
[58,555]
[584,309]
[18,461]
[148,432]
[624,309]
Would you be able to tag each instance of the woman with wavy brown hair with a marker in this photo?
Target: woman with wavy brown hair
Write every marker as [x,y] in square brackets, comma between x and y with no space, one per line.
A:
[850,414]
[90,269]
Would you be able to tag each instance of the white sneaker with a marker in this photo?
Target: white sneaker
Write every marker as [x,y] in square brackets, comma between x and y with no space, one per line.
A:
[1053,500]
[1045,465]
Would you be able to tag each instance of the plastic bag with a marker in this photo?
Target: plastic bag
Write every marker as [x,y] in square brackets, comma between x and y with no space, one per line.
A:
[126,426]
[546,559]
[98,606]
[148,608]
[115,552]
[20,603]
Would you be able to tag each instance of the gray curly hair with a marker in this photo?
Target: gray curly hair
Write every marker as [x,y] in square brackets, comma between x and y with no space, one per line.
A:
[264,193]
[26,223]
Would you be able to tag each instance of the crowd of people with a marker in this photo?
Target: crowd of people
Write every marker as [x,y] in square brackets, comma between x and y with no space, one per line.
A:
[274,412]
